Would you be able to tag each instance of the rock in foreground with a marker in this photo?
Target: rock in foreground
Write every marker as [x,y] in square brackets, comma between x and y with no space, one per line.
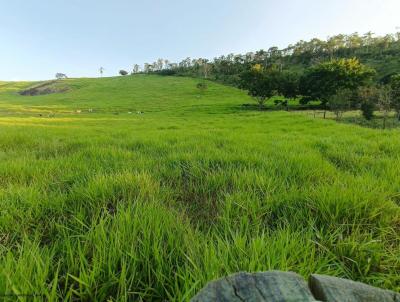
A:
[267,286]
[332,289]
[275,286]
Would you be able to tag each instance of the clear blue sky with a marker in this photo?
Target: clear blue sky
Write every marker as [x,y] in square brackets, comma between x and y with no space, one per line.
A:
[39,38]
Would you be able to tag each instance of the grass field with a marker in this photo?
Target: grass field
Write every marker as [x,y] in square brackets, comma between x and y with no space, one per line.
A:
[101,203]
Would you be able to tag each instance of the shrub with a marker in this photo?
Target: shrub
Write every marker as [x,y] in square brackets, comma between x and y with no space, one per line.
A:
[123,72]
[166,72]
[202,87]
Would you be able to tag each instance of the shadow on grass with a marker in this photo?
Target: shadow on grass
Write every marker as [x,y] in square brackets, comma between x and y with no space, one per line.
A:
[377,122]
[318,111]
[272,107]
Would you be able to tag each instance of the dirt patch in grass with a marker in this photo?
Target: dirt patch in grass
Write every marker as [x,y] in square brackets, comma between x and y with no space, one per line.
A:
[43,88]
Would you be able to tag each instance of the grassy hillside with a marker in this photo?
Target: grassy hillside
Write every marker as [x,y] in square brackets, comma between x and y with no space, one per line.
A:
[114,205]
[123,94]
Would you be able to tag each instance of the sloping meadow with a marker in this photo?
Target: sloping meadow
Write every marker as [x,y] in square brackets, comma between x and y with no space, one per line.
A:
[153,206]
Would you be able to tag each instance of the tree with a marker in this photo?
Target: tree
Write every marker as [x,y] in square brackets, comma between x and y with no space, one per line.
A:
[340,102]
[136,68]
[60,76]
[123,72]
[260,84]
[322,81]
[368,98]
[395,85]
[167,64]
[205,67]
[368,39]
[101,70]
[159,64]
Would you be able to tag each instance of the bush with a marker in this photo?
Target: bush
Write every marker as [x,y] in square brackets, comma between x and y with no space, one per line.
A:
[123,72]
[282,103]
[202,87]
[367,110]
[166,72]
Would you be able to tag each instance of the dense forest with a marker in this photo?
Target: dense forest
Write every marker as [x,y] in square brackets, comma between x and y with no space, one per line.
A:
[379,52]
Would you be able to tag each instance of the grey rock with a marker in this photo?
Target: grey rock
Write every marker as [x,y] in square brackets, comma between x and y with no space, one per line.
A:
[332,289]
[273,286]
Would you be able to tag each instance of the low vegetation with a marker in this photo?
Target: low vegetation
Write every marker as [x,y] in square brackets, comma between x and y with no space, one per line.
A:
[99,202]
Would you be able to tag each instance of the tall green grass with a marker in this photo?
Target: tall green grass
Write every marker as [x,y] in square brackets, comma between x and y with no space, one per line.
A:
[105,206]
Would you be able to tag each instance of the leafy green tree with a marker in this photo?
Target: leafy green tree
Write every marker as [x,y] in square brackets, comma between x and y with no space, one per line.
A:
[322,81]
[60,76]
[260,84]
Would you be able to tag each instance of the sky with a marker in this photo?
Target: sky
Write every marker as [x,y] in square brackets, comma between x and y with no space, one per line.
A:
[39,38]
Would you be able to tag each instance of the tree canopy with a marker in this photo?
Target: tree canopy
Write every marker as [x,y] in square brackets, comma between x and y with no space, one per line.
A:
[322,81]
[259,83]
